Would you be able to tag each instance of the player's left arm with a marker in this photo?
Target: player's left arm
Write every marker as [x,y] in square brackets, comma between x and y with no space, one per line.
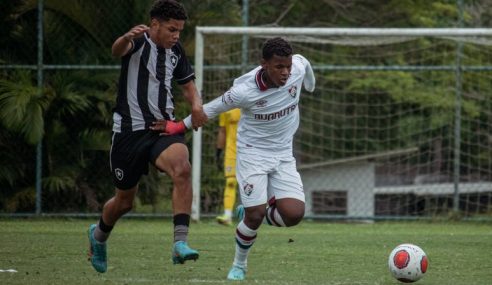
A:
[309,78]
[198,116]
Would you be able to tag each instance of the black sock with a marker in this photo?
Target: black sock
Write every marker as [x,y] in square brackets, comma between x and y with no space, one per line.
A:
[102,231]
[181,225]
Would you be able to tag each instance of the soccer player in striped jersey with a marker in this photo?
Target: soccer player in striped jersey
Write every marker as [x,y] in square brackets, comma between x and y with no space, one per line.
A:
[268,97]
[151,56]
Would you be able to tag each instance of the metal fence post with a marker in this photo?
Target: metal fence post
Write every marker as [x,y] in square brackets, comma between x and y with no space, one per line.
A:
[457,125]
[39,148]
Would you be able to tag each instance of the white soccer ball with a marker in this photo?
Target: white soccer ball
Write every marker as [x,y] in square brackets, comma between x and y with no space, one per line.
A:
[408,263]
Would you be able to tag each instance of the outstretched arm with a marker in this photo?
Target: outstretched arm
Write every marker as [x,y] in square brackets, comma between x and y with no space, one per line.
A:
[211,109]
[198,117]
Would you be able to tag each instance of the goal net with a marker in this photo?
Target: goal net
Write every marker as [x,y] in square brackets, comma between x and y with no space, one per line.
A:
[399,126]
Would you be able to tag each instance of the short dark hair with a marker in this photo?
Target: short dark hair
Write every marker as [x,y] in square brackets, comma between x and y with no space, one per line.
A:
[276,46]
[164,10]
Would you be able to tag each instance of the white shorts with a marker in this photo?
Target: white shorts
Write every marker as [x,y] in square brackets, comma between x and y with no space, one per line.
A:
[261,178]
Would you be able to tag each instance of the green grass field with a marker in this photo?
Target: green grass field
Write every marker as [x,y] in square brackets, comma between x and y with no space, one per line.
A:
[53,251]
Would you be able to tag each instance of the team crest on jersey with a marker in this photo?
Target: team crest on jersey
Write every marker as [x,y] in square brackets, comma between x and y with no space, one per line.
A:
[261,103]
[248,188]
[174,60]
[119,174]
[227,98]
[293,91]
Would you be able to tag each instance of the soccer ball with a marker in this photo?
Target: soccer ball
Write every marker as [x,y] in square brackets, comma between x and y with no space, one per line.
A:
[408,263]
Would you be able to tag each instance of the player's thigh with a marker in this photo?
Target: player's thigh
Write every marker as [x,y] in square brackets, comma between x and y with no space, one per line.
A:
[252,178]
[286,181]
[129,158]
[170,154]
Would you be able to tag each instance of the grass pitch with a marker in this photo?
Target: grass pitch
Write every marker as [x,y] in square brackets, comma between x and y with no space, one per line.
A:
[53,251]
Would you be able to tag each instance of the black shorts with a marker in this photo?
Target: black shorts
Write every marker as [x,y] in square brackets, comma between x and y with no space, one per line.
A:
[131,153]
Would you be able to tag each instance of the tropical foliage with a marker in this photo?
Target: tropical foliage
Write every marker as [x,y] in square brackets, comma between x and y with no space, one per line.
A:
[70,116]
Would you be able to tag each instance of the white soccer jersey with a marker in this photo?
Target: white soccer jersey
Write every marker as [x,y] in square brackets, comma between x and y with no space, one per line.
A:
[269,116]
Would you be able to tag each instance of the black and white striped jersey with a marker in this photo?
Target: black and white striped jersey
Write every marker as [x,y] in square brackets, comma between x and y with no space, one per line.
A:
[144,90]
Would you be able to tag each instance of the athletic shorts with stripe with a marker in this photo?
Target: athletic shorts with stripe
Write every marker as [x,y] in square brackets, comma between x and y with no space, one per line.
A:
[261,178]
[131,153]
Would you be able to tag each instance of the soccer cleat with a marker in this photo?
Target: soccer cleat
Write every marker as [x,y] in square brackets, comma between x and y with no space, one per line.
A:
[240,212]
[97,252]
[223,220]
[236,273]
[182,252]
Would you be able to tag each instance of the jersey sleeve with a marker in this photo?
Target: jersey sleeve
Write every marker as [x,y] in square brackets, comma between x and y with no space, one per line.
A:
[309,79]
[183,73]
[229,100]
[137,43]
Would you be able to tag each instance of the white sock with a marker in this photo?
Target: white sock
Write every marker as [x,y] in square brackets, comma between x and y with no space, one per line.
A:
[245,238]
[228,214]
[273,217]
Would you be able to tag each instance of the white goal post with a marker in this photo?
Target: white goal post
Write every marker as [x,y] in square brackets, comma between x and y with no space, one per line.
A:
[459,35]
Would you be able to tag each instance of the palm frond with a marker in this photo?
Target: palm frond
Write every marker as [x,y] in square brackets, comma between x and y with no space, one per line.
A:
[22,106]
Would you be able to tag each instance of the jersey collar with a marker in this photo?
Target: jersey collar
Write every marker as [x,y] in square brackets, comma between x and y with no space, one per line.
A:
[153,45]
[259,80]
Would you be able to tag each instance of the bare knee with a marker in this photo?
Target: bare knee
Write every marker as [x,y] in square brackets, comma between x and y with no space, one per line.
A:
[123,201]
[293,218]
[291,211]
[254,216]
[181,171]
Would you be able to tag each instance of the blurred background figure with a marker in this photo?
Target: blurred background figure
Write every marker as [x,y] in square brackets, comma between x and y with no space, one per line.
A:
[225,159]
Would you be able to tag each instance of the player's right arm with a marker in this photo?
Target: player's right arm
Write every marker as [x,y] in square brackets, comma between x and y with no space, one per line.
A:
[217,106]
[124,44]
[224,103]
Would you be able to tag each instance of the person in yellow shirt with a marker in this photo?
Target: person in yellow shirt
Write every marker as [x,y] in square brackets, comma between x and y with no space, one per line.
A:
[226,143]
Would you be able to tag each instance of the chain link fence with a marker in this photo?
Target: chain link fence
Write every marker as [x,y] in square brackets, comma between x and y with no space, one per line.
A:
[58,88]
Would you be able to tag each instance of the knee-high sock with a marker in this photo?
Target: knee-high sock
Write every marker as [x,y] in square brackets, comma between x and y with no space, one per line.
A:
[245,238]
[230,195]
[273,217]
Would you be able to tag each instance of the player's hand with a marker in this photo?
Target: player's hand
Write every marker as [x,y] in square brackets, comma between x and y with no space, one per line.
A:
[168,128]
[198,117]
[219,160]
[135,32]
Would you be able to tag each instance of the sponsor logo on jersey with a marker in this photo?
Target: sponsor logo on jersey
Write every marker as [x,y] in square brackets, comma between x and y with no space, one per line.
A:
[248,188]
[119,174]
[293,91]
[261,103]
[276,115]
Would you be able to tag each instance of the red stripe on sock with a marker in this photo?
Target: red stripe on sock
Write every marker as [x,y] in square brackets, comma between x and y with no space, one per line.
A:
[244,237]
[272,219]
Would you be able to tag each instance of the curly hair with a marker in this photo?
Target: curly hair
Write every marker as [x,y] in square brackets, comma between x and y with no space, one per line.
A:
[164,10]
[276,46]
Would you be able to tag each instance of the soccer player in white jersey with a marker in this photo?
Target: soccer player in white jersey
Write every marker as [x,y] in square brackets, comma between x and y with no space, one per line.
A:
[268,97]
